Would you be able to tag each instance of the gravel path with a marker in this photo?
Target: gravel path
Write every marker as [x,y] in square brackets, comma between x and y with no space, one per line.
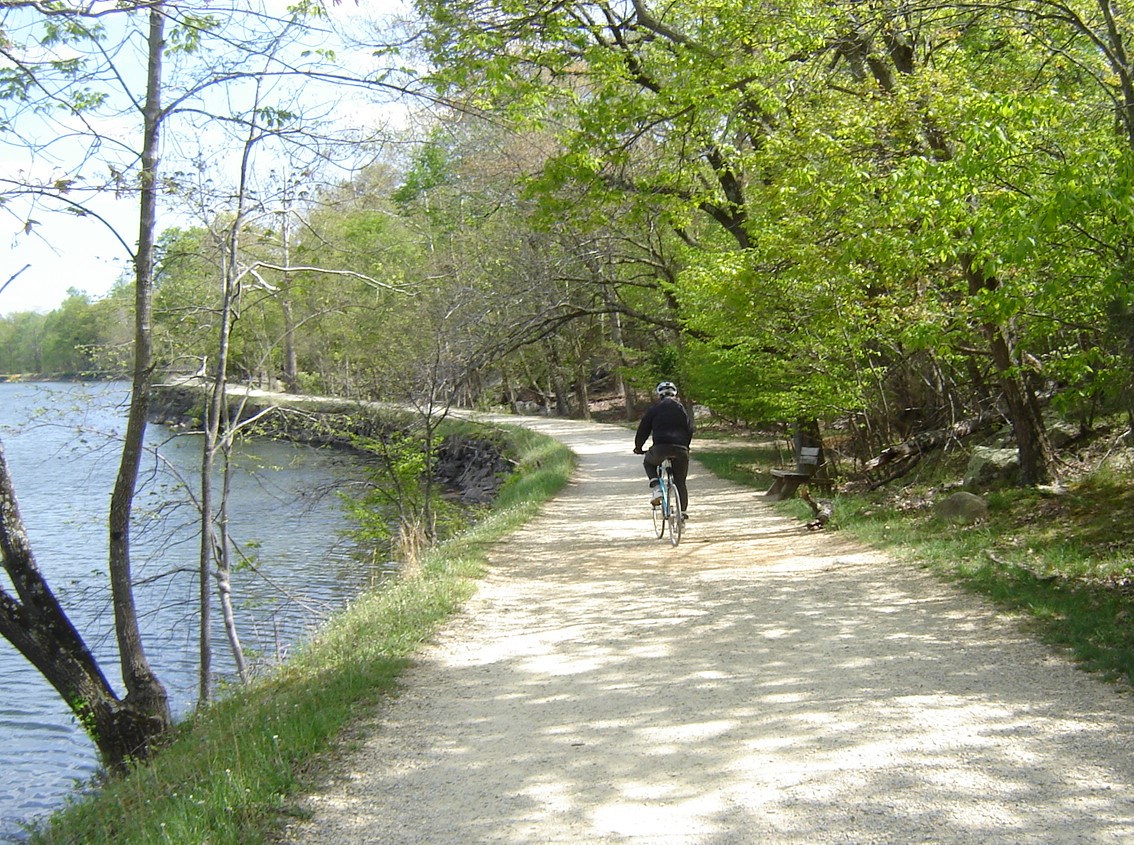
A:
[758,684]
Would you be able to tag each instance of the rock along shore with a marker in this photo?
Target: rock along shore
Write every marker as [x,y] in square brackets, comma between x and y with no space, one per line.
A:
[472,468]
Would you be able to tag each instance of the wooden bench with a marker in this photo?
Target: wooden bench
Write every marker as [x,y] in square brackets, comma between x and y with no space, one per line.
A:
[786,481]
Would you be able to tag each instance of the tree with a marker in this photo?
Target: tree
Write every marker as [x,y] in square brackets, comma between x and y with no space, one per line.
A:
[892,188]
[247,213]
[127,727]
[560,298]
[356,260]
[658,125]
[145,714]
[75,65]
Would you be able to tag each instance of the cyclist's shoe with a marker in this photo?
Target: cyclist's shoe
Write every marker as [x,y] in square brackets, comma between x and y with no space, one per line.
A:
[684,517]
[655,493]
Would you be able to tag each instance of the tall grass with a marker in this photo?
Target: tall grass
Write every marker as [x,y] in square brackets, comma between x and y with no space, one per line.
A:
[231,773]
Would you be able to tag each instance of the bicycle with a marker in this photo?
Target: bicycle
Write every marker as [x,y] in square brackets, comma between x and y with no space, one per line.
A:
[668,513]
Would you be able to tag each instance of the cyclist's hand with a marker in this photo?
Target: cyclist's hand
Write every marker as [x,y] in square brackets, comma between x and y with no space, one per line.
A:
[639,451]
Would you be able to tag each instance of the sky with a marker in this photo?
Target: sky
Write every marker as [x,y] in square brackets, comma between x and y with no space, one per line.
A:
[65,252]
[71,253]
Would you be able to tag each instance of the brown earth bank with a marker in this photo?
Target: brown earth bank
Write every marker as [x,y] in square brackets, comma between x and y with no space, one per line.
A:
[759,683]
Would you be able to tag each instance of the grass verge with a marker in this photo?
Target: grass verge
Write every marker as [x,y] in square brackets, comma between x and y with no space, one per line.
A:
[1064,564]
[231,773]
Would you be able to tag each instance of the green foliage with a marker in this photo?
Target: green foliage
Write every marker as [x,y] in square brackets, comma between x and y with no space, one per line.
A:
[21,342]
[186,298]
[49,55]
[82,100]
[186,36]
[431,168]
[808,212]
[395,476]
[14,85]
[890,210]
[402,504]
[80,338]
[276,118]
[69,30]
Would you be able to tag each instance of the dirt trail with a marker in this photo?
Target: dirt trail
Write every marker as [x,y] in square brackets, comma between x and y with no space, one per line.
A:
[758,684]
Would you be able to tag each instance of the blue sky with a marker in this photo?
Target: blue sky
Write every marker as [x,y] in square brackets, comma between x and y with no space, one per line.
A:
[71,253]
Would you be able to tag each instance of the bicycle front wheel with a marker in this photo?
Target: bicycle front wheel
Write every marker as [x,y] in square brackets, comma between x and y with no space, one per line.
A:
[676,523]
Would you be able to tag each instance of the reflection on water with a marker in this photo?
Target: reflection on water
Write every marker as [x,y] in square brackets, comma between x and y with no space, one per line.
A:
[62,446]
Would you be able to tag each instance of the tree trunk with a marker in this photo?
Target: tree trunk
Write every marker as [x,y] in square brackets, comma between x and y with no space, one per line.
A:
[1032,444]
[224,568]
[145,715]
[562,405]
[34,622]
[290,361]
[220,429]
[582,397]
[616,340]
[204,563]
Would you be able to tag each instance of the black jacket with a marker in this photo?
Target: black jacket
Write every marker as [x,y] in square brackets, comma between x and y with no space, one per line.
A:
[668,422]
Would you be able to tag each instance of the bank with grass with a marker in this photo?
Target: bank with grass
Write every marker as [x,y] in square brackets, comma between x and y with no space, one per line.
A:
[231,772]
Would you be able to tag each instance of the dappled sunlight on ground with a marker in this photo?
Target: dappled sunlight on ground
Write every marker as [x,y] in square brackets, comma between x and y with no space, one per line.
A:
[757,684]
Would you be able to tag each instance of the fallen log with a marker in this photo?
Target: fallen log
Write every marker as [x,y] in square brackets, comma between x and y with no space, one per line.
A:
[821,511]
[927,441]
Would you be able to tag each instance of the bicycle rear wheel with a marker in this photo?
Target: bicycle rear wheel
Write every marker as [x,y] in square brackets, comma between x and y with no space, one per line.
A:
[659,521]
[676,523]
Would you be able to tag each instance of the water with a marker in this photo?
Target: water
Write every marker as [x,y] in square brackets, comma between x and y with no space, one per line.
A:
[62,446]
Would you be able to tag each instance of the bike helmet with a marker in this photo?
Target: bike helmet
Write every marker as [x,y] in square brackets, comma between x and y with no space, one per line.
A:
[665,388]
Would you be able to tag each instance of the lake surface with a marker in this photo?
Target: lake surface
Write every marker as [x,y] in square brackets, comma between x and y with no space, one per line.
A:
[62,444]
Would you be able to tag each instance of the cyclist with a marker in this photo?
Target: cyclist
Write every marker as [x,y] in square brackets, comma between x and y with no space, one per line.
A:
[672,430]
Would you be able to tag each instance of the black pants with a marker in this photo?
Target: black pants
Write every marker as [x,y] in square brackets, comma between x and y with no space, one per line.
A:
[679,458]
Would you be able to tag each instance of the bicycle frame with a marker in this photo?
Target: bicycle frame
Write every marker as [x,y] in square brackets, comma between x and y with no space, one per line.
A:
[670,517]
[665,479]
